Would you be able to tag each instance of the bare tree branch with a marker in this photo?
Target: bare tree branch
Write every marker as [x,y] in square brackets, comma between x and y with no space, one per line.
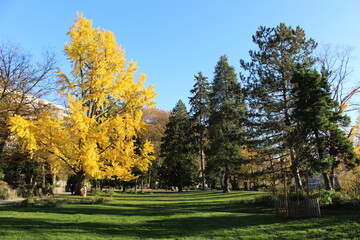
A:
[335,63]
[22,84]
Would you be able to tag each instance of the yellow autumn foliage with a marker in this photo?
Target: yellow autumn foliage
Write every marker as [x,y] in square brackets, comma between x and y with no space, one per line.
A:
[96,137]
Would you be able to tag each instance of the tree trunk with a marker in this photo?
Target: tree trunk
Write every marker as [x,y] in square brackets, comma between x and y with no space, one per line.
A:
[180,188]
[149,172]
[307,184]
[246,185]
[53,178]
[235,183]
[3,138]
[284,179]
[327,181]
[2,145]
[293,159]
[295,171]
[226,187]
[43,177]
[202,164]
[80,184]
[332,177]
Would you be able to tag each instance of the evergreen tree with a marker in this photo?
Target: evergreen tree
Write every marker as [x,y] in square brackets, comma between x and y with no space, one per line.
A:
[268,89]
[318,119]
[200,113]
[227,112]
[178,151]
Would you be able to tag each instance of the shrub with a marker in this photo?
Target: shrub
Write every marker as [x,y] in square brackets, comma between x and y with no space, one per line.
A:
[350,182]
[337,199]
[96,192]
[27,202]
[32,203]
[52,203]
[352,204]
[98,200]
[86,200]
[3,183]
[265,200]
[93,200]
[26,191]
[7,193]
[109,193]
[300,195]
[324,196]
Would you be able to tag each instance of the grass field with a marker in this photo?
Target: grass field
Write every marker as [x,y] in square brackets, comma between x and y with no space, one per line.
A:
[168,215]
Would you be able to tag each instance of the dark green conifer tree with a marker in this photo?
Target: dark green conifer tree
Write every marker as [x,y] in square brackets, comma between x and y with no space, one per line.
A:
[268,89]
[200,102]
[178,150]
[317,119]
[227,112]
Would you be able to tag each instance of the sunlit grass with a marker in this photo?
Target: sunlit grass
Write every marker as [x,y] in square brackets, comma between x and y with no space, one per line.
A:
[167,215]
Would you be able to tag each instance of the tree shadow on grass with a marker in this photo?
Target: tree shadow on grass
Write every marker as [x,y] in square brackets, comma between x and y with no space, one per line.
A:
[197,205]
[223,226]
[98,221]
[197,201]
[121,211]
[203,207]
[164,228]
[186,196]
[147,209]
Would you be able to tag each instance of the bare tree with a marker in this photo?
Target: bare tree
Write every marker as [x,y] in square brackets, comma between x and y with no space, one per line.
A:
[22,84]
[335,62]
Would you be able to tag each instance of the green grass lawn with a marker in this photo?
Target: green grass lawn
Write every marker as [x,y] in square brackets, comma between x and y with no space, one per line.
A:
[168,215]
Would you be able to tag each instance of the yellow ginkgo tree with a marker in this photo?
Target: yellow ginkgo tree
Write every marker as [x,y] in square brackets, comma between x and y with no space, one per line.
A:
[97,136]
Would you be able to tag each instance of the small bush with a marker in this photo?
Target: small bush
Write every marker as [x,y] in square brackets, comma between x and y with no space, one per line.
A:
[324,196]
[52,203]
[93,200]
[300,195]
[98,200]
[96,192]
[26,191]
[87,200]
[3,183]
[265,200]
[352,204]
[109,193]
[337,200]
[33,203]
[350,183]
[27,202]
[7,193]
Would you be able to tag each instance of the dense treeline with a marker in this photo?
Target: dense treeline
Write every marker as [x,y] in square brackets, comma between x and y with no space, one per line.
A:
[278,125]
[274,126]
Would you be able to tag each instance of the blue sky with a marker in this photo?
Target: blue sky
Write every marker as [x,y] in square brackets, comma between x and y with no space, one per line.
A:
[172,40]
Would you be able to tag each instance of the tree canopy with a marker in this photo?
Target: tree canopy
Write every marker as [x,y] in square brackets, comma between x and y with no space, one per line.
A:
[96,137]
[268,88]
[227,113]
[179,167]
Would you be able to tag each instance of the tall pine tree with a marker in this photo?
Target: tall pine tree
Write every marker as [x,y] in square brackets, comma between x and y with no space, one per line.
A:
[268,89]
[227,112]
[200,113]
[323,145]
[179,167]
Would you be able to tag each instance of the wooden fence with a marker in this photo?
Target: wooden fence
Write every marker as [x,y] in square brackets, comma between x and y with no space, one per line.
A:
[297,209]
